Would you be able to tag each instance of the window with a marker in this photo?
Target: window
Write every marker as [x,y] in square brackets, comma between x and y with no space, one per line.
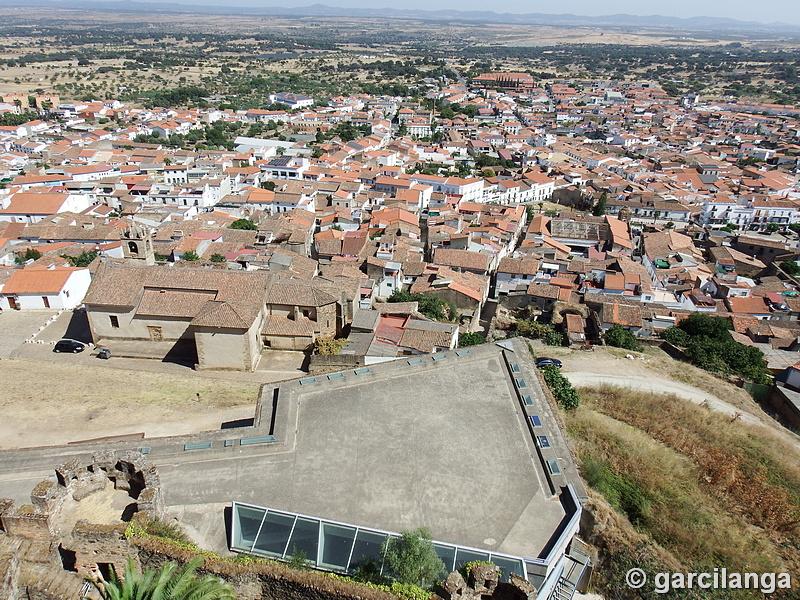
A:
[114,321]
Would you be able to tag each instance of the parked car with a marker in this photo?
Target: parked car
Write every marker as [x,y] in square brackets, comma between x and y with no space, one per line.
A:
[544,361]
[69,346]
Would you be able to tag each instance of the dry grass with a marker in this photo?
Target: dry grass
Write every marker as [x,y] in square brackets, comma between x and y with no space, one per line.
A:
[65,403]
[712,491]
[679,514]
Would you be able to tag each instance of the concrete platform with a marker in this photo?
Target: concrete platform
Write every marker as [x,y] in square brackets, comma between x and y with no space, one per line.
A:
[442,444]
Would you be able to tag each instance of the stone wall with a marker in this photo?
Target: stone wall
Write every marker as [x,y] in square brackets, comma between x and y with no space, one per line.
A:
[483,583]
[95,544]
[339,361]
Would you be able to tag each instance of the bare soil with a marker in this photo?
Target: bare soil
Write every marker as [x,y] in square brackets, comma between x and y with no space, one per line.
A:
[45,403]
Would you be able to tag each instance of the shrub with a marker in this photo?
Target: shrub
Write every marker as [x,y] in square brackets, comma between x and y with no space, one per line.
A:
[243,224]
[470,339]
[328,346]
[562,390]
[217,258]
[539,331]
[432,307]
[619,337]
[190,256]
[412,558]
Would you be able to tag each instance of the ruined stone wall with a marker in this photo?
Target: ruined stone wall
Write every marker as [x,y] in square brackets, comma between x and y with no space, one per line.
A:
[25,522]
[94,544]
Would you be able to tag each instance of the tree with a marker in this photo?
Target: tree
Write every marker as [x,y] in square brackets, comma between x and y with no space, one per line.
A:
[268,185]
[488,173]
[619,337]
[167,583]
[600,208]
[412,558]
[772,227]
[470,339]
[708,343]
[190,256]
[217,258]
[30,254]
[243,224]
[790,267]
[402,130]
[83,260]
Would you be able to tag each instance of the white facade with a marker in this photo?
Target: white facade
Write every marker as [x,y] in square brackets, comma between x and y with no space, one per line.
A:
[70,295]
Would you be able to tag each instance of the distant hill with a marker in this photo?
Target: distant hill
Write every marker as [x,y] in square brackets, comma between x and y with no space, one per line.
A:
[247,7]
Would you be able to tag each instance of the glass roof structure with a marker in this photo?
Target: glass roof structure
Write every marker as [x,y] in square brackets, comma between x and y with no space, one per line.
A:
[334,546]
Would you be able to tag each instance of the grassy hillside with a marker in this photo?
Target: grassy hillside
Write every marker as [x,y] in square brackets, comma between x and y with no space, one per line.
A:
[691,490]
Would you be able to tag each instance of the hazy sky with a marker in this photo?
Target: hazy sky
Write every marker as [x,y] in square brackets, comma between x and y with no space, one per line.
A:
[763,11]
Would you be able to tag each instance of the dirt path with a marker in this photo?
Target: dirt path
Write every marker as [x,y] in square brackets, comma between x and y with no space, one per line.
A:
[657,373]
[661,386]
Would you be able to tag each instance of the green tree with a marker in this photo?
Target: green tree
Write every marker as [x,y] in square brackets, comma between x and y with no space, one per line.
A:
[190,256]
[790,267]
[412,558]
[772,227]
[619,337]
[167,583]
[488,173]
[268,185]
[600,208]
[708,343]
[243,224]
[402,130]
[82,260]
[470,339]
[217,258]
[30,254]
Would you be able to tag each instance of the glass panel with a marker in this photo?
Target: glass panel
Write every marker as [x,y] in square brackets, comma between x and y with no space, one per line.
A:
[274,533]
[465,556]
[305,538]
[508,566]
[368,546]
[248,520]
[336,544]
[448,556]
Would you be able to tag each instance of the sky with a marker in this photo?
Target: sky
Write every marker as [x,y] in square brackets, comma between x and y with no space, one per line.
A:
[764,11]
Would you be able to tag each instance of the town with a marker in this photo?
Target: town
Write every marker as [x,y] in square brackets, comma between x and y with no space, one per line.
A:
[613,206]
[402,270]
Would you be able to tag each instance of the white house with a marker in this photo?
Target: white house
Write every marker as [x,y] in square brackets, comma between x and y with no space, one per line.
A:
[45,287]
[31,207]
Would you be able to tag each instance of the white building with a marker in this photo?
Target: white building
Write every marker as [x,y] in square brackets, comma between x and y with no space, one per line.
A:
[45,287]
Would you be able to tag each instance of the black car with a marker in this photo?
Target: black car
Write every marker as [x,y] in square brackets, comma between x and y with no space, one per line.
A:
[544,361]
[69,346]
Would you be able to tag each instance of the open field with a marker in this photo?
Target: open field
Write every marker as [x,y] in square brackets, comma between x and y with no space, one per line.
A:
[83,55]
[47,403]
